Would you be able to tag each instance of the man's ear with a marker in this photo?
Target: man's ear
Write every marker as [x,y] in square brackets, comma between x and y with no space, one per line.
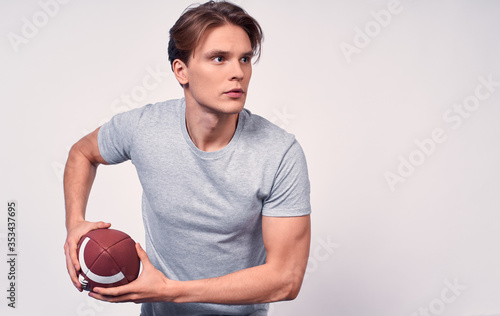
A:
[180,71]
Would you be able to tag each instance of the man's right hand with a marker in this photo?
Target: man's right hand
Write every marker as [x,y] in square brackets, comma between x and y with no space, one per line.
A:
[75,232]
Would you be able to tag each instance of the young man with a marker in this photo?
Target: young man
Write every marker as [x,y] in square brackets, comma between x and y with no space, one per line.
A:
[226,193]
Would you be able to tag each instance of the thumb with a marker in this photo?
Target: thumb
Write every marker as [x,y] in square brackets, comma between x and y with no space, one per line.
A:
[103,225]
[143,256]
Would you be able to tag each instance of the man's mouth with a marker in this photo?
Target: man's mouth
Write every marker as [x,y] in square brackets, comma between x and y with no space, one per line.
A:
[234,93]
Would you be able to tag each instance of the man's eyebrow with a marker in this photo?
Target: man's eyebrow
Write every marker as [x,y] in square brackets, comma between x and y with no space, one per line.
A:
[219,52]
[248,54]
[216,52]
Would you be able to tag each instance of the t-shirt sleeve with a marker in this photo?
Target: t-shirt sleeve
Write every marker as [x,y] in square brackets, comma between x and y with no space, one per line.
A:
[290,194]
[115,138]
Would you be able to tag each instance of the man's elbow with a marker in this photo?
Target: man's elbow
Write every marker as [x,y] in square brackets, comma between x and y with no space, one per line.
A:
[292,288]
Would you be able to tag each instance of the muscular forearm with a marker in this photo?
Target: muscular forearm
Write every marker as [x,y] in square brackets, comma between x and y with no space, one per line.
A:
[280,278]
[260,284]
[79,176]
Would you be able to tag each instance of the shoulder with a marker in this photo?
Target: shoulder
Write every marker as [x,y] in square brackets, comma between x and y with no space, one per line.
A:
[149,114]
[262,132]
[154,110]
[128,122]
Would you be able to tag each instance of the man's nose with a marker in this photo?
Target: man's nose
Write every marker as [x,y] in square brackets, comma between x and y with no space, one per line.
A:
[237,72]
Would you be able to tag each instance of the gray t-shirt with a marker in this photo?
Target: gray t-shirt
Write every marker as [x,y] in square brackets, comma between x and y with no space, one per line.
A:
[203,211]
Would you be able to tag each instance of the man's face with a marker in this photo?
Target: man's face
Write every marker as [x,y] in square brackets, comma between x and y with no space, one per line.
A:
[219,70]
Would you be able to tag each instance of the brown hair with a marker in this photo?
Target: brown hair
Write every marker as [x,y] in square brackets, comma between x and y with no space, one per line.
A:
[194,21]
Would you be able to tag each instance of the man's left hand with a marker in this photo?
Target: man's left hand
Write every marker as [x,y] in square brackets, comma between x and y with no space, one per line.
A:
[151,286]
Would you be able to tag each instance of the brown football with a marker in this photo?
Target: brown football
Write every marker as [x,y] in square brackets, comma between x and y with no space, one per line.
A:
[107,258]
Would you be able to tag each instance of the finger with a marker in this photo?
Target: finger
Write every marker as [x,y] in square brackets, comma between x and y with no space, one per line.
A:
[114,299]
[115,291]
[69,263]
[72,247]
[70,267]
[72,271]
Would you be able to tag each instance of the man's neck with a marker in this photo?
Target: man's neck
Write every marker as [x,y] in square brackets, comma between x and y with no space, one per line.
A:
[209,131]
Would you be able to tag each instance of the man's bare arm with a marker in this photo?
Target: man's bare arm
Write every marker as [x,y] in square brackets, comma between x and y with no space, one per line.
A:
[79,175]
[287,241]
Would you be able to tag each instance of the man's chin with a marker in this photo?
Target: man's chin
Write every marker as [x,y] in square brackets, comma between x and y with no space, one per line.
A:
[233,106]
[219,106]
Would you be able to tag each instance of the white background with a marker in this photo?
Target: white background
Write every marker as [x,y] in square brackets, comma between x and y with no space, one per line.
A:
[427,242]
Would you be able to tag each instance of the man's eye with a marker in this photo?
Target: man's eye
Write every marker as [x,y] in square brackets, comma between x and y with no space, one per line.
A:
[245,60]
[218,59]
